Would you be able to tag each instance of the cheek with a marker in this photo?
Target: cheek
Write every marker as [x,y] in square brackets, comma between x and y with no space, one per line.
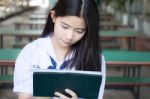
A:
[58,30]
[78,37]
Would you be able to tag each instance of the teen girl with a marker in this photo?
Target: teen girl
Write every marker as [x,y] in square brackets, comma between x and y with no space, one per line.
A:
[70,41]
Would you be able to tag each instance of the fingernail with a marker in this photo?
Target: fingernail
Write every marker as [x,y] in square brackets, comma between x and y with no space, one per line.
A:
[55,93]
[67,90]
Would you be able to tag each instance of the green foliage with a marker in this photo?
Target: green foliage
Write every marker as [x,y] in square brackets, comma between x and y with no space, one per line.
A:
[118,4]
[108,1]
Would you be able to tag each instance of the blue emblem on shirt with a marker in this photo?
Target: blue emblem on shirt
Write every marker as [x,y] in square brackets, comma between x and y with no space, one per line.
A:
[54,64]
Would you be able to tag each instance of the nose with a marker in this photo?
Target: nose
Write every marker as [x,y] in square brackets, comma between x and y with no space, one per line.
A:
[69,35]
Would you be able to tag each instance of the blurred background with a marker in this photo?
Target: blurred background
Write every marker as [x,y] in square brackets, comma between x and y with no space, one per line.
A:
[125,41]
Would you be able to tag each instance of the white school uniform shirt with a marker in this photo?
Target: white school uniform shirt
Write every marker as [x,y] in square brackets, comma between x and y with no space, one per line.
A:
[36,55]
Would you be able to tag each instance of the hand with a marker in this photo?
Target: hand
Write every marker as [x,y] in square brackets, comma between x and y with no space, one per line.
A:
[62,96]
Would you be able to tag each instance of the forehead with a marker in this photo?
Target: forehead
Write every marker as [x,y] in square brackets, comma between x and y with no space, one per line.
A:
[73,21]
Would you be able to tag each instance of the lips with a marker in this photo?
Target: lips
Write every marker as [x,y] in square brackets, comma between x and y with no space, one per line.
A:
[67,42]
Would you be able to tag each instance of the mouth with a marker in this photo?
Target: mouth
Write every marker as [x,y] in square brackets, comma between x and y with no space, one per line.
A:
[67,42]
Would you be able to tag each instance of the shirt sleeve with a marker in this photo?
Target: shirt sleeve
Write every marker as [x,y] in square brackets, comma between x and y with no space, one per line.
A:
[103,70]
[22,72]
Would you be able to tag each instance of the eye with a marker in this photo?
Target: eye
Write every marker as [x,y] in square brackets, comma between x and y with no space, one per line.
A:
[80,31]
[65,27]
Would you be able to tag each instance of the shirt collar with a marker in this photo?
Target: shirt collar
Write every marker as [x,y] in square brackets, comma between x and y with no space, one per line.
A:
[46,44]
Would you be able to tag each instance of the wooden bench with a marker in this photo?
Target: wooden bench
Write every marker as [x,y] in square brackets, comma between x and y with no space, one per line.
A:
[111,25]
[131,62]
[12,14]
[38,17]
[6,79]
[23,33]
[106,18]
[19,44]
[125,37]
[128,83]
[123,83]
[7,59]
[113,59]
[110,81]
[31,24]
[126,58]
[144,42]
[110,44]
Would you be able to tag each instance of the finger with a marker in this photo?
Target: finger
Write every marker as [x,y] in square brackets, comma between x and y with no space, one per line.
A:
[60,95]
[73,94]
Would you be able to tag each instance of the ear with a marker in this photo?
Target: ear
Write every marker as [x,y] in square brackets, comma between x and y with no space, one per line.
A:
[53,16]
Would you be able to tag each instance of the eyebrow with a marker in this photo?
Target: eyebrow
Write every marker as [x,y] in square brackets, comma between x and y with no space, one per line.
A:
[70,26]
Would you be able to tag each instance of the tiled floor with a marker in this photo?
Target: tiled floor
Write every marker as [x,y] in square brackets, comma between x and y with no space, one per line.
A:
[6,92]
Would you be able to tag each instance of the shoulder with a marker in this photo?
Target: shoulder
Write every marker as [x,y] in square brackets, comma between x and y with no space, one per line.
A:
[37,46]
[34,44]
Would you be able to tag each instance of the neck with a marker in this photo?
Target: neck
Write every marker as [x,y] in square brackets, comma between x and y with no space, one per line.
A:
[60,51]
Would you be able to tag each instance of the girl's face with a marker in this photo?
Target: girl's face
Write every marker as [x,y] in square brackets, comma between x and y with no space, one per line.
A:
[68,30]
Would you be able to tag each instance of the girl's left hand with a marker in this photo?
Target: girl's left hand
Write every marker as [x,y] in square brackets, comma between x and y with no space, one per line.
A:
[62,96]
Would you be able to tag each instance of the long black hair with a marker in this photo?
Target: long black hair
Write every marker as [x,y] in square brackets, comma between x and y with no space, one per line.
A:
[87,51]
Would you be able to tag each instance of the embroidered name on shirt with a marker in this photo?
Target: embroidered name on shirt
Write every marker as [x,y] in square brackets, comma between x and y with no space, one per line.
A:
[36,67]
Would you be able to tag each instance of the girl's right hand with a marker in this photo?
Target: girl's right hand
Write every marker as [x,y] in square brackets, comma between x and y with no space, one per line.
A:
[62,96]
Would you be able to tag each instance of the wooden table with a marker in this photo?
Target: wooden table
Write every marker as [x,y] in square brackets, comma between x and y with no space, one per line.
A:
[28,33]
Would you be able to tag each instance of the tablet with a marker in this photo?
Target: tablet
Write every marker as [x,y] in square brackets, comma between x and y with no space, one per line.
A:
[84,83]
